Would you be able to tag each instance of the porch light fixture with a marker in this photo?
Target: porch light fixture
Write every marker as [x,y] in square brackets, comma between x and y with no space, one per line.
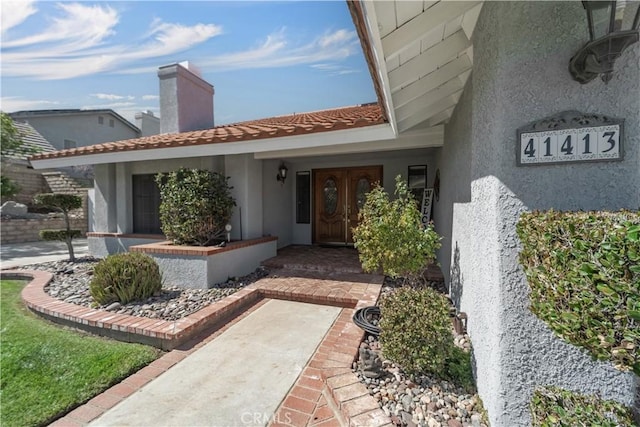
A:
[282,173]
[607,38]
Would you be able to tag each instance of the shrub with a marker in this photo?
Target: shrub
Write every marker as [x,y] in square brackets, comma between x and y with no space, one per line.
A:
[63,203]
[391,236]
[59,234]
[416,330]
[195,206]
[125,277]
[551,406]
[583,269]
[8,187]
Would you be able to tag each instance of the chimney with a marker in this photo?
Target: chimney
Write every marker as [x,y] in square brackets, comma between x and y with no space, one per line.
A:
[147,123]
[186,100]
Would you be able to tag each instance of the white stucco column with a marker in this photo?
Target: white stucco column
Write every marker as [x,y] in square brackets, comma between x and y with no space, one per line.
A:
[124,213]
[104,209]
[246,179]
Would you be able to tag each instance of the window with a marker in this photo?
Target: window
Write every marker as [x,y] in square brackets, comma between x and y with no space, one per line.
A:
[69,144]
[417,181]
[303,197]
[100,120]
[111,122]
[146,204]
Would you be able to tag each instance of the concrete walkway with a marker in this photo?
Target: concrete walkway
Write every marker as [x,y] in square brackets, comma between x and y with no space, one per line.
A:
[239,378]
[20,254]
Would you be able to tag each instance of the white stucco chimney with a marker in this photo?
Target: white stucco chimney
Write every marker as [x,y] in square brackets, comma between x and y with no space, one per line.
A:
[147,123]
[186,100]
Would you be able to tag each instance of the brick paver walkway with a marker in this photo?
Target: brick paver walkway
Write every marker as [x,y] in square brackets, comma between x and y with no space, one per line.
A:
[326,393]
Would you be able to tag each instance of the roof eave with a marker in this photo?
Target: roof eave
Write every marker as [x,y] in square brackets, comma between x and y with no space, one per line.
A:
[336,137]
[364,18]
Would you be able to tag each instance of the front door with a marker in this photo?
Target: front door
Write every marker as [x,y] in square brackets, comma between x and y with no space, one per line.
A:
[338,195]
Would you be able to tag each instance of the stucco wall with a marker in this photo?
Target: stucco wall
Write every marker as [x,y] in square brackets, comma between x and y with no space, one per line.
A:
[521,54]
[454,162]
[278,205]
[113,203]
[245,174]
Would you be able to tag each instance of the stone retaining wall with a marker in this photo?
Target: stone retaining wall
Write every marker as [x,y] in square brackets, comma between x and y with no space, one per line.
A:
[30,182]
[19,230]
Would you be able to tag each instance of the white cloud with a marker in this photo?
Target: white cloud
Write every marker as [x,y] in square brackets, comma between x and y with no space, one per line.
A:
[77,43]
[112,97]
[278,51]
[79,27]
[20,11]
[335,69]
[150,97]
[16,103]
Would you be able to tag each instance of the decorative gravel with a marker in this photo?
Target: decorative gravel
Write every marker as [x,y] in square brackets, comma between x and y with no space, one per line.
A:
[71,284]
[423,401]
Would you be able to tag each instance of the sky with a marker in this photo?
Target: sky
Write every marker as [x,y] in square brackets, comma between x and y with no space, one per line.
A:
[263,58]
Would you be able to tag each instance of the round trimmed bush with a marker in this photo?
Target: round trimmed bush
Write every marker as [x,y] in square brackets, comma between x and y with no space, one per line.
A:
[125,277]
[416,330]
[195,206]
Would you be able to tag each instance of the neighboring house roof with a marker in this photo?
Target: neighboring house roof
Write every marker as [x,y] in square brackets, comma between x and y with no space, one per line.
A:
[273,127]
[26,114]
[32,140]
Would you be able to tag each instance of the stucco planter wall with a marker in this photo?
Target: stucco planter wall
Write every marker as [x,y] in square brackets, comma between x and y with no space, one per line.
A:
[203,267]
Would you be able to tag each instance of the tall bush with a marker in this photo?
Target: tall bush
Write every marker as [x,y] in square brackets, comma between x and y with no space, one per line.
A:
[416,330]
[195,206]
[63,203]
[391,236]
[583,269]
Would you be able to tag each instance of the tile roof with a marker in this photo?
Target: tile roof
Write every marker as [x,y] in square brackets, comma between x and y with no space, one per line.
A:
[273,127]
[32,140]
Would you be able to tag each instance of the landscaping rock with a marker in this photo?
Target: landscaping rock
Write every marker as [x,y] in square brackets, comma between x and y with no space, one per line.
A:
[13,209]
[71,284]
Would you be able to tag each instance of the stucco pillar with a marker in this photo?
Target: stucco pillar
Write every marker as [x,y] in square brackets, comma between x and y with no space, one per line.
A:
[124,213]
[104,209]
[521,54]
[245,174]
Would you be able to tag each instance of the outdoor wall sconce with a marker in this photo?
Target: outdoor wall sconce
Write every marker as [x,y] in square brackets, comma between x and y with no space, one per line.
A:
[608,39]
[282,173]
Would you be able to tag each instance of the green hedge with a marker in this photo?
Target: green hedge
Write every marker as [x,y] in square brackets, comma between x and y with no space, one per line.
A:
[416,330]
[552,406]
[60,235]
[583,270]
[195,206]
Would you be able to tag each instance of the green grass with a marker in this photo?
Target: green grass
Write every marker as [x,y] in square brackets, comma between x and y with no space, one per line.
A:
[48,370]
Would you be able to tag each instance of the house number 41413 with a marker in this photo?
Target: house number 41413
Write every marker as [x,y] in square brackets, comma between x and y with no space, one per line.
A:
[570,145]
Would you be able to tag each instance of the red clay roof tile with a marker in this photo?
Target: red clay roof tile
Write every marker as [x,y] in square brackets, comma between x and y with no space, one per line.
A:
[272,127]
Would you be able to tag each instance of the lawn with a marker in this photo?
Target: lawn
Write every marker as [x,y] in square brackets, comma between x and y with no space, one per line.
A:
[48,370]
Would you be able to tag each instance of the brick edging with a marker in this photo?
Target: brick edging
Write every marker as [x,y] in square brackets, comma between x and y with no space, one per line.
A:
[159,333]
[327,374]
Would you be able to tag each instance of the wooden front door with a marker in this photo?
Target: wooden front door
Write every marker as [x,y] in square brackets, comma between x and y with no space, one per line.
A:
[338,195]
